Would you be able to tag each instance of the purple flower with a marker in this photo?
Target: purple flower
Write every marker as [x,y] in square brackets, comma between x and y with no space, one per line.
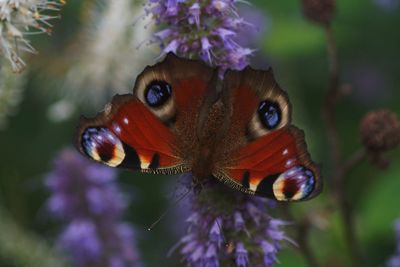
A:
[239,221]
[215,234]
[87,199]
[211,258]
[201,29]
[205,52]
[241,255]
[194,12]
[269,252]
[394,261]
[226,226]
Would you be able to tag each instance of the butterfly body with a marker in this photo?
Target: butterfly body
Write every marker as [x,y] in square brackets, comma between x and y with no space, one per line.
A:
[182,118]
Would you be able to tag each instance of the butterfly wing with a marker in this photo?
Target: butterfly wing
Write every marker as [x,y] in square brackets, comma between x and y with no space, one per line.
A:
[270,158]
[140,131]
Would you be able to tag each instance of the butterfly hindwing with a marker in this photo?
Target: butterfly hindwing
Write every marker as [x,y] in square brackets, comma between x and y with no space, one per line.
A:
[139,131]
[270,158]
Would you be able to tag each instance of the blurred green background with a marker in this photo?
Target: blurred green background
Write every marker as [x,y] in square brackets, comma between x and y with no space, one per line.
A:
[368,41]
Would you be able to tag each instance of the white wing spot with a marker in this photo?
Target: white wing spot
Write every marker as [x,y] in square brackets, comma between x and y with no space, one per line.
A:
[289,163]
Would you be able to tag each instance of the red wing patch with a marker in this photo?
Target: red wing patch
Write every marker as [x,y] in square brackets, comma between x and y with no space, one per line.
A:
[128,135]
[276,165]
[139,131]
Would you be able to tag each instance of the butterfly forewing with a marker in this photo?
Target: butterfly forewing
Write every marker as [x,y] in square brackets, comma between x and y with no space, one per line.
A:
[143,130]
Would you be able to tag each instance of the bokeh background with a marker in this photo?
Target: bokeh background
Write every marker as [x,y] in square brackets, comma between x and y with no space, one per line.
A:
[87,59]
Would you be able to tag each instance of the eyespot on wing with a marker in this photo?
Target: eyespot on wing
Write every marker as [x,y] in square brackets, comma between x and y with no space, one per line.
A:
[102,145]
[294,185]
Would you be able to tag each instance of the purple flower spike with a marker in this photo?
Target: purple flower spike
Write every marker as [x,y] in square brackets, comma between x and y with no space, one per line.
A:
[201,29]
[86,197]
[222,234]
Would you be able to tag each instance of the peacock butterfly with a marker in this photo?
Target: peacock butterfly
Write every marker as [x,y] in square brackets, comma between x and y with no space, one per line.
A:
[182,118]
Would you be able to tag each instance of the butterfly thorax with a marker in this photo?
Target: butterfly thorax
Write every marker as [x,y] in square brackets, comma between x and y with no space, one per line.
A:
[208,151]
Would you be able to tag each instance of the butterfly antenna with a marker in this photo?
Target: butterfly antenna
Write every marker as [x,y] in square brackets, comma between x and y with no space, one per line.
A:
[182,197]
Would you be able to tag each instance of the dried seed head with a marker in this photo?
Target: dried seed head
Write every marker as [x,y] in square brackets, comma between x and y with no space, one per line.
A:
[19,19]
[319,11]
[380,130]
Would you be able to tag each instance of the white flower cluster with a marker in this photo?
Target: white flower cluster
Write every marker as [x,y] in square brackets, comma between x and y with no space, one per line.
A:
[19,18]
[106,59]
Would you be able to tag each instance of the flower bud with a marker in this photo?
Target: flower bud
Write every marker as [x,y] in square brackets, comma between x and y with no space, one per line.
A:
[380,130]
[319,11]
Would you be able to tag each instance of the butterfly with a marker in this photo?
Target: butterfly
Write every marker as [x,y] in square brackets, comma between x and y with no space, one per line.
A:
[182,117]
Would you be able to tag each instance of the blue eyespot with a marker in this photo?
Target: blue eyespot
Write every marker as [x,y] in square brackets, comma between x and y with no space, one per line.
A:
[270,114]
[101,145]
[157,93]
[295,184]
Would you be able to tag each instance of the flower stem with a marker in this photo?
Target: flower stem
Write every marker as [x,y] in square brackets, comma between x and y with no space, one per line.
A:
[340,167]
[328,109]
